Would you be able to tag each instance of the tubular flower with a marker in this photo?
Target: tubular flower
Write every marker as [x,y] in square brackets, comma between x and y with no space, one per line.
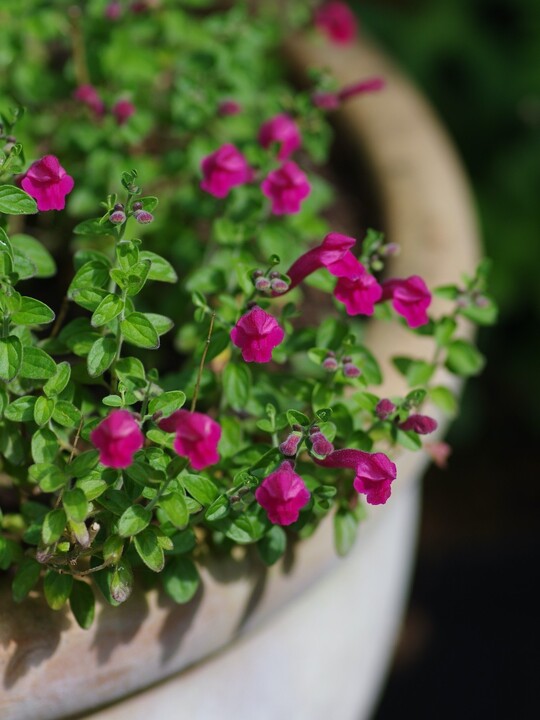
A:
[334,253]
[375,472]
[421,424]
[117,437]
[337,21]
[410,299]
[48,183]
[257,333]
[286,187]
[282,130]
[224,169]
[332,100]
[197,437]
[282,494]
[358,290]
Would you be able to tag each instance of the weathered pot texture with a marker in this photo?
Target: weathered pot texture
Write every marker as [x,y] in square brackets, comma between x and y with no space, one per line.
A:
[314,634]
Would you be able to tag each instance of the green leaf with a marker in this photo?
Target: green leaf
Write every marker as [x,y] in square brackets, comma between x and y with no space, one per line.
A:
[75,505]
[92,275]
[88,298]
[160,269]
[175,508]
[482,315]
[181,579]
[44,446]
[14,201]
[139,331]
[25,579]
[444,329]
[57,588]
[110,307]
[66,414]
[417,372]
[218,509]
[43,410]
[447,292]
[167,402]
[101,355]
[11,354]
[82,604]
[201,488]
[444,398]
[345,531]
[273,545]
[136,277]
[93,228]
[295,417]
[36,364]
[236,384]
[32,312]
[48,476]
[21,409]
[84,463]
[59,380]
[161,323]
[245,529]
[133,521]
[149,550]
[41,259]
[464,359]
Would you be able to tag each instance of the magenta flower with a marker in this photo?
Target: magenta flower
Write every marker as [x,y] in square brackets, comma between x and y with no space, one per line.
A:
[282,130]
[331,101]
[282,494]
[358,290]
[384,409]
[286,187]
[337,21]
[410,298]
[114,10]
[123,110]
[421,424]
[375,472]
[224,169]
[197,437]
[257,333]
[89,96]
[334,253]
[48,183]
[117,437]
[229,107]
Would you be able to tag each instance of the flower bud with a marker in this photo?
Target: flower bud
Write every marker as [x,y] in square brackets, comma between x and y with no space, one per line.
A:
[421,424]
[143,217]
[320,444]
[384,408]
[390,249]
[257,273]
[290,445]
[262,284]
[279,285]
[118,217]
[137,206]
[350,370]
[325,100]
[229,107]
[121,583]
[481,301]
[330,363]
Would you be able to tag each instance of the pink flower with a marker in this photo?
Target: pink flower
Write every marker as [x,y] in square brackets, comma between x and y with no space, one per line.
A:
[286,187]
[410,298]
[117,438]
[282,494]
[257,333]
[229,107]
[123,110]
[384,409]
[197,437]
[114,10]
[337,21]
[421,424]
[283,130]
[358,290]
[88,95]
[331,101]
[224,169]
[334,253]
[320,444]
[375,472]
[48,183]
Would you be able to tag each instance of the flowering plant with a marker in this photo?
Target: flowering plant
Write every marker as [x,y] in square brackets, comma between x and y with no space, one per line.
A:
[257,419]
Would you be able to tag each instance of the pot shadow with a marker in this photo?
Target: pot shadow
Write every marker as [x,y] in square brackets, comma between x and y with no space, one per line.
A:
[176,623]
[36,636]
[110,633]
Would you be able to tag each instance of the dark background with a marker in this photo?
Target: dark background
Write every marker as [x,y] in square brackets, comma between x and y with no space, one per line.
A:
[470,643]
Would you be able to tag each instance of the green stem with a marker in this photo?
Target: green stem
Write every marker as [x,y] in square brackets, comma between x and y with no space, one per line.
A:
[163,489]
[201,365]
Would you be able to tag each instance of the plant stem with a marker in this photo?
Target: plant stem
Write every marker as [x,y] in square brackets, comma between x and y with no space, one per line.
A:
[152,504]
[201,365]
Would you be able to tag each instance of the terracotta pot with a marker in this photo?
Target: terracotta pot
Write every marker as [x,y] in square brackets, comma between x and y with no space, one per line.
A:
[297,653]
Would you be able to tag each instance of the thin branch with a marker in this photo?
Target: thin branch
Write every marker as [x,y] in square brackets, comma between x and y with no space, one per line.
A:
[201,366]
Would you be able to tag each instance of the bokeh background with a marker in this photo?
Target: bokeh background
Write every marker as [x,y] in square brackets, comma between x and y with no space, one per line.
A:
[470,642]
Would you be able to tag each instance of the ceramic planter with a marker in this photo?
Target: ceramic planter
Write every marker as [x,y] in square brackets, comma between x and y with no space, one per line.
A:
[314,634]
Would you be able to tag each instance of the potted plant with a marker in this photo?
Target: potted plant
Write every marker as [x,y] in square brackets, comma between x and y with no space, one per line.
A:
[235,452]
